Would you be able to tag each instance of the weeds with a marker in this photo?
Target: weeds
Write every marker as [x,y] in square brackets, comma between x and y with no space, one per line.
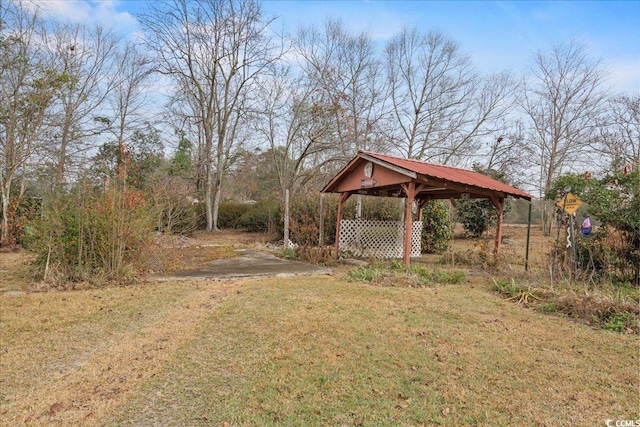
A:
[288,253]
[316,255]
[396,274]
[612,312]
[364,274]
[620,322]
[515,292]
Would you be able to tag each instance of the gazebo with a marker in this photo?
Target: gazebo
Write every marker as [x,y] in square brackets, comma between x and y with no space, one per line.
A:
[375,174]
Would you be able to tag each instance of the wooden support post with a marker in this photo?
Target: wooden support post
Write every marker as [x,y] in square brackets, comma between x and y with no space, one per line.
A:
[343,198]
[321,227]
[526,254]
[499,204]
[410,191]
[286,218]
[421,206]
[408,227]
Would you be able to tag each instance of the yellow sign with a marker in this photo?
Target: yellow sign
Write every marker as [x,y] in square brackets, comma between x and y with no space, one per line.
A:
[570,203]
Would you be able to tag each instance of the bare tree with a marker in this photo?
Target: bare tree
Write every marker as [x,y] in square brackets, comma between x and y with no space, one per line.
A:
[27,87]
[618,136]
[441,107]
[345,74]
[129,95]
[506,153]
[296,128]
[562,99]
[213,50]
[87,58]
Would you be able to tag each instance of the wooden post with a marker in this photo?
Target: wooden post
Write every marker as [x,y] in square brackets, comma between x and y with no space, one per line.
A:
[286,219]
[410,190]
[343,198]
[321,227]
[421,206]
[499,204]
[526,254]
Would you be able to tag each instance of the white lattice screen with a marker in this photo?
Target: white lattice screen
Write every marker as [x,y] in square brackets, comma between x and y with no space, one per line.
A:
[378,239]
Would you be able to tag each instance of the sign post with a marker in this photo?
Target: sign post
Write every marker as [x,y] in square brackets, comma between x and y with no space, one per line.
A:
[570,203]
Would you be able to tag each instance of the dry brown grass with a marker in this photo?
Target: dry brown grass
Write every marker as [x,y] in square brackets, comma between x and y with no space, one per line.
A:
[303,351]
[78,355]
[309,351]
[478,252]
[14,271]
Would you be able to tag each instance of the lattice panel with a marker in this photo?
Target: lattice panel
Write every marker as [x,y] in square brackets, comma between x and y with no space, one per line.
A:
[378,239]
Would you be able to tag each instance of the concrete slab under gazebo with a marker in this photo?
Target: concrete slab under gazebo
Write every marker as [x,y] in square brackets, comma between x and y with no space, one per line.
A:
[375,174]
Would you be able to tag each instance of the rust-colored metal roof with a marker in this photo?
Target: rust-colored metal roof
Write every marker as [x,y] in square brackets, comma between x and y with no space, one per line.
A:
[426,172]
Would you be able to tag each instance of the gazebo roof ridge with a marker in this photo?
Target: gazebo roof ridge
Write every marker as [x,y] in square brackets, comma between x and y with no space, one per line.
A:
[374,154]
[449,178]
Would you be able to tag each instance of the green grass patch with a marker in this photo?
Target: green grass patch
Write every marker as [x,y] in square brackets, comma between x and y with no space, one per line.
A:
[399,275]
[620,322]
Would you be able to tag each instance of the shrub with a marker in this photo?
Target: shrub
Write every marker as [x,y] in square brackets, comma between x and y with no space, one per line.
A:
[304,220]
[437,228]
[477,215]
[263,216]
[614,253]
[21,211]
[90,234]
[229,214]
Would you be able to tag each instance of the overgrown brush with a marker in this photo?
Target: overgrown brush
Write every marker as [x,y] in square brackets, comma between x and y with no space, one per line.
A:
[617,311]
[316,255]
[612,252]
[92,235]
[604,312]
[264,216]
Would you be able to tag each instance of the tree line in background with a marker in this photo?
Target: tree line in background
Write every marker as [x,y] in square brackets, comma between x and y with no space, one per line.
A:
[211,105]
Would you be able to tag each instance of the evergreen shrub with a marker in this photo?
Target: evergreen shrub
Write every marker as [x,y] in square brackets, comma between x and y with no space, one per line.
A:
[437,227]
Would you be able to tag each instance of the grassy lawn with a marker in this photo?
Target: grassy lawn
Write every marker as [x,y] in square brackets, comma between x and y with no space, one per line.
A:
[305,351]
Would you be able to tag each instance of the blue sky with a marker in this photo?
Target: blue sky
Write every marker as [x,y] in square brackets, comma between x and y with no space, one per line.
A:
[497,34]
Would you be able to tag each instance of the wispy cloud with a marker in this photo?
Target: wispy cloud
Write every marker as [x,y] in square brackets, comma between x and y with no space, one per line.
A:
[625,74]
[107,13]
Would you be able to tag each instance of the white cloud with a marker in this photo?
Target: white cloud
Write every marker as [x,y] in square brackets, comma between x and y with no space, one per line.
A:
[104,12]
